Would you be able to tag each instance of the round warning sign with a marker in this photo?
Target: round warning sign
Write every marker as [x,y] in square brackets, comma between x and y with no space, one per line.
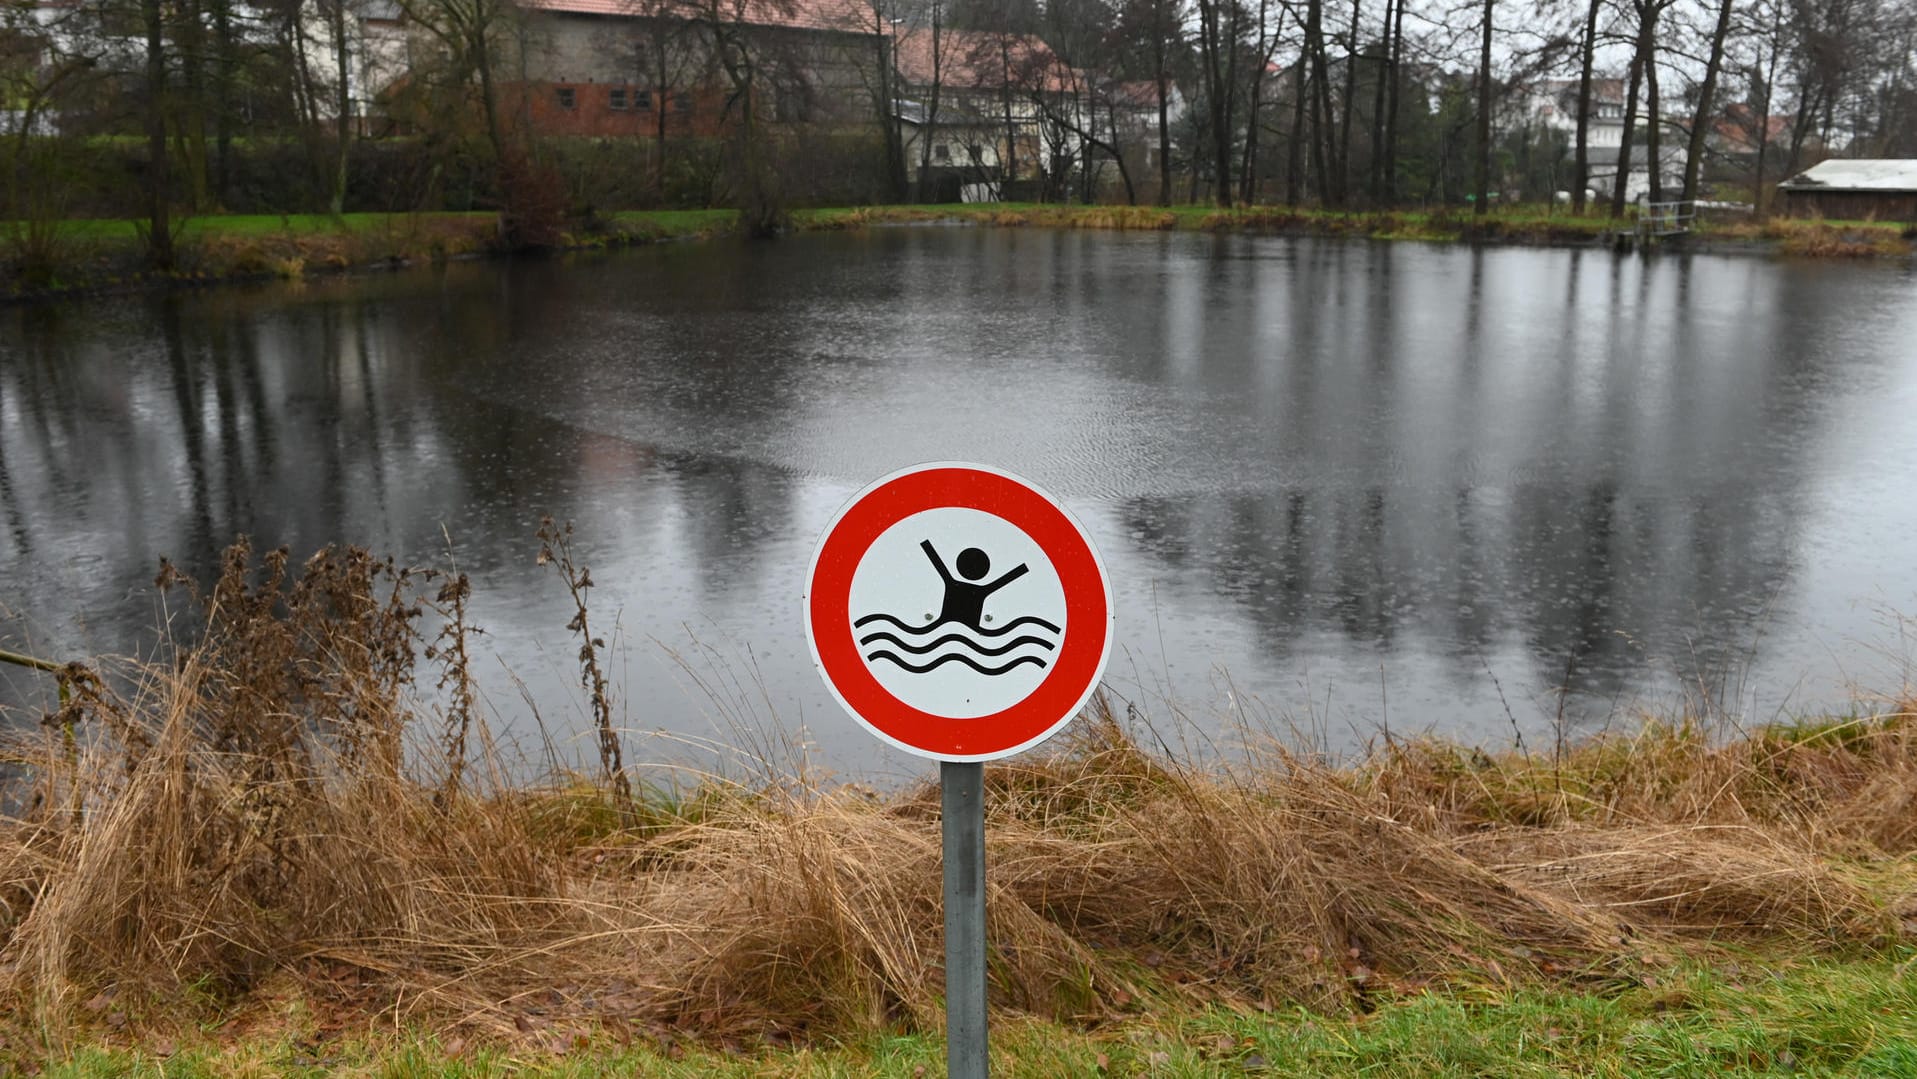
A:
[958,612]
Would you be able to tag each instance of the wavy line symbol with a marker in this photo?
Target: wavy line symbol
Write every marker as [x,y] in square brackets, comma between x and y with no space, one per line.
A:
[1028,620]
[976,648]
[954,638]
[953,657]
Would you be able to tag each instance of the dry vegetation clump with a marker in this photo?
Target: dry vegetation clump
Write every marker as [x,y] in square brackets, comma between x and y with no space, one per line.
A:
[1143,218]
[1268,219]
[276,808]
[1818,238]
[293,253]
[246,811]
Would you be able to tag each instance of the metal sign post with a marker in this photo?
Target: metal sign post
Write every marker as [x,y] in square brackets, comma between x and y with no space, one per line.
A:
[962,800]
[960,614]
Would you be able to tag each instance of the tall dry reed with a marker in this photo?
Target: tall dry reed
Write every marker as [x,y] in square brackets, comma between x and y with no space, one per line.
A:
[255,817]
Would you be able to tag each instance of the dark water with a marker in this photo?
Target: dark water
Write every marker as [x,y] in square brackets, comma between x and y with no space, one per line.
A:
[1337,484]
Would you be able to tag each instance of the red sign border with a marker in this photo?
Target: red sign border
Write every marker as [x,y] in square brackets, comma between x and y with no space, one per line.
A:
[1076,669]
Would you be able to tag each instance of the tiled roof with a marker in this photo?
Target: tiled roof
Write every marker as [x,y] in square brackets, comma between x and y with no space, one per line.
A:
[981,60]
[843,16]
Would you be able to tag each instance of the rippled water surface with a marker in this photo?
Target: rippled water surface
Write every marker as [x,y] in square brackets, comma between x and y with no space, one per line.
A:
[1338,484]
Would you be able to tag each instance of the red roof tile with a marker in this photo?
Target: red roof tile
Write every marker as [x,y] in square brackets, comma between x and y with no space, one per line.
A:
[842,16]
[981,60]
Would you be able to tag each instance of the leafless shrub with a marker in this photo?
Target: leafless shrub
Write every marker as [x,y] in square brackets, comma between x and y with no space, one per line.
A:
[555,549]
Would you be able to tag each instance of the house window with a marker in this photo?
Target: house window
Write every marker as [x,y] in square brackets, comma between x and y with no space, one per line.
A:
[941,152]
[618,94]
[978,156]
[682,102]
[642,100]
[567,98]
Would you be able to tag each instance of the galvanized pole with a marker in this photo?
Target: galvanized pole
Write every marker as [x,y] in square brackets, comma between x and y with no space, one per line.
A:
[962,799]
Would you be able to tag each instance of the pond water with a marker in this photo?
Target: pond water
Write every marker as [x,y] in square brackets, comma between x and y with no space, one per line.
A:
[1339,485]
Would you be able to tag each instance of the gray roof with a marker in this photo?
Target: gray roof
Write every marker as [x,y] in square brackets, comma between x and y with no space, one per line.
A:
[1857,175]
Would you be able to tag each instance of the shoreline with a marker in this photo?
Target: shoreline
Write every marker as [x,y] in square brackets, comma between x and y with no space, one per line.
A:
[98,258]
[294,834]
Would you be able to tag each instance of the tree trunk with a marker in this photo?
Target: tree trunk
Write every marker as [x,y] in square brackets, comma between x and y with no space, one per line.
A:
[931,125]
[1230,83]
[659,115]
[1376,185]
[1484,115]
[1391,107]
[1248,164]
[1209,32]
[343,111]
[159,229]
[1706,100]
[223,100]
[1587,56]
[1349,107]
[886,102]
[1005,92]
[1759,202]
[1164,127]
[1800,126]
[1248,174]
[1295,147]
[1320,98]
[1630,114]
[1654,128]
[482,61]
[190,35]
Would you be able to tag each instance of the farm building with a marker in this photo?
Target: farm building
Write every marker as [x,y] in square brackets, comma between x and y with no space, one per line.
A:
[1861,190]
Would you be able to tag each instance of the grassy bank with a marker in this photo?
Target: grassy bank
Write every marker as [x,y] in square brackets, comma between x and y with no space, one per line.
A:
[108,255]
[1517,225]
[89,255]
[267,851]
[1813,1017]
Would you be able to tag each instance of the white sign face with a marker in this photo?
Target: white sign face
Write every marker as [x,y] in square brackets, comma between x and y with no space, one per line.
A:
[957,612]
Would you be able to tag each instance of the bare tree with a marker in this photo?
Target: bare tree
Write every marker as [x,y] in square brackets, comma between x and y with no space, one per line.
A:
[1643,57]
[1587,56]
[1266,46]
[1217,48]
[159,228]
[1151,32]
[1706,102]
[473,35]
[1484,113]
[1348,105]
[1382,68]
[937,85]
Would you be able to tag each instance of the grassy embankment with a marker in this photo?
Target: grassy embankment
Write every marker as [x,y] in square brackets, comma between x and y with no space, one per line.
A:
[1515,225]
[265,857]
[93,254]
[87,255]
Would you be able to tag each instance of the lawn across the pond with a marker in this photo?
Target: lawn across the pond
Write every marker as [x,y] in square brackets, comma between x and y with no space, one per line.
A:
[51,258]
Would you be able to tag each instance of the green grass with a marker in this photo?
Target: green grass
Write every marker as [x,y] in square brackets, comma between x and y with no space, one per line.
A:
[1825,1017]
[94,252]
[677,223]
[263,224]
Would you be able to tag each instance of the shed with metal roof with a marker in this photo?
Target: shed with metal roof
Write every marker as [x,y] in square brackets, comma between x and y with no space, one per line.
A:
[1879,189]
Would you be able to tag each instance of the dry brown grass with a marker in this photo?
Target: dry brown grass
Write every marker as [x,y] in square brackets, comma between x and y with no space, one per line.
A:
[244,821]
[1818,238]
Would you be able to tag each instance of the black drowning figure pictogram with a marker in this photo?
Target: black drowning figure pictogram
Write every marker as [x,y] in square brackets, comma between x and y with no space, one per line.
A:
[962,617]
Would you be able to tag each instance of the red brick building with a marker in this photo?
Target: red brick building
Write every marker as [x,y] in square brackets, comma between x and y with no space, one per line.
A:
[612,68]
